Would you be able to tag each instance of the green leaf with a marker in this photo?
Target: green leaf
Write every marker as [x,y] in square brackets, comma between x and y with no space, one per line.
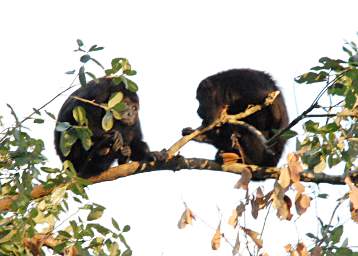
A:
[64,234]
[49,170]
[104,231]
[107,121]
[128,252]
[350,100]
[95,214]
[130,72]
[85,58]
[343,252]
[92,48]
[332,127]
[39,121]
[62,126]
[71,72]
[114,249]
[116,65]
[117,80]
[288,134]
[116,114]
[311,77]
[97,62]
[82,76]
[337,89]
[126,228]
[79,43]
[85,134]
[115,99]
[50,115]
[91,75]
[324,196]
[311,126]
[115,224]
[36,111]
[67,140]
[79,114]
[132,86]
[95,48]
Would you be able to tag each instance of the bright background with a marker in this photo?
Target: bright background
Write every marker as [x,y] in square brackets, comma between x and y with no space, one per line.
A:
[174,45]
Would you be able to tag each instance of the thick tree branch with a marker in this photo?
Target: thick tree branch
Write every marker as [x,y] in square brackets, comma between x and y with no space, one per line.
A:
[179,163]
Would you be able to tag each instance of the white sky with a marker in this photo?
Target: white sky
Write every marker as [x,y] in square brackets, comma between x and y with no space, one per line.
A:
[173,45]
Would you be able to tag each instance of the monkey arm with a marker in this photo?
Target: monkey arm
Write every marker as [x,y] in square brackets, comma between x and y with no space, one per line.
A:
[203,138]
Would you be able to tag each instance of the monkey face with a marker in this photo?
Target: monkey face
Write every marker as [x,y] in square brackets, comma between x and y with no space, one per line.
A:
[130,113]
[209,106]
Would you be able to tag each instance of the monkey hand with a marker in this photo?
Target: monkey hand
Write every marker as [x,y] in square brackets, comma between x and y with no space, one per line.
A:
[160,156]
[126,151]
[187,131]
[117,139]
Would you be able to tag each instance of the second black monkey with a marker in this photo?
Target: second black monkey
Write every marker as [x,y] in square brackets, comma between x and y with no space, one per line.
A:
[237,89]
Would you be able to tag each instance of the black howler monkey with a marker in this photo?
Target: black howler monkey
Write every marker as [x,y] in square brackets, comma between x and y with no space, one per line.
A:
[237,89]
[122,143]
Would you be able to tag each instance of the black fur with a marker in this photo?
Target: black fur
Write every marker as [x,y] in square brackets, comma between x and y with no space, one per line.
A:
[123,142]
[239,88]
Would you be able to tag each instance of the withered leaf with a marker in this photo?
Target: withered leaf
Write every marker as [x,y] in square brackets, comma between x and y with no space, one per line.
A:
[295,167]
[317,251]
[244,180]
[285,178]
[234,218]
[187,217]
[299,187]
[302,203]
[302,249]
[288,247]
[353,193]
[215,241]
[236,248]
[254,236]
[354,214]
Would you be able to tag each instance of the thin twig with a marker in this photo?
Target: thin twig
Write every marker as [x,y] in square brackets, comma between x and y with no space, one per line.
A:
[6,130]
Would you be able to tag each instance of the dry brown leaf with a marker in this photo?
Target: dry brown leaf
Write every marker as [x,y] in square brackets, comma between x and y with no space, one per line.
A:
[244,180]
[288,247]
[71,251]
[302,203]
[353,193]
[284,212]
[254,236]
[285,178]
[277,195]
[236,248]
[215,241]
[302,250]
[299,187]
[186,218]
[295,167]
[354,213]
[321,166]
[230,158]
[317,251]
[234,218]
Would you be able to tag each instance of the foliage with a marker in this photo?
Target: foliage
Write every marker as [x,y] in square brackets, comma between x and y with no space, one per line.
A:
[35,225]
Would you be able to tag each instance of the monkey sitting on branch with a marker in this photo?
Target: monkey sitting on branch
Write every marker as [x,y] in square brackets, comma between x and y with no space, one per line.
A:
[101,125]
[234,92]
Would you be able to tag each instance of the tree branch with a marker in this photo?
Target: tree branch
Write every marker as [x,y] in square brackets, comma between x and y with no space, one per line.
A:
[179,163]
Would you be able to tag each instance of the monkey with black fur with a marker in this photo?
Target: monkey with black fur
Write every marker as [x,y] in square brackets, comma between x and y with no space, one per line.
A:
[124,142]
[237,89]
